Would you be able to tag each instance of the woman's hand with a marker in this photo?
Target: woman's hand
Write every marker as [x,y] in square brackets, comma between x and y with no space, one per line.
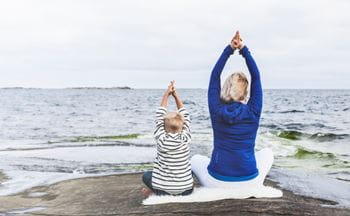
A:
[237,42]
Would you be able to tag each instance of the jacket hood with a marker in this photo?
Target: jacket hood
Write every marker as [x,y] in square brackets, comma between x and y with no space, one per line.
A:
[231,113]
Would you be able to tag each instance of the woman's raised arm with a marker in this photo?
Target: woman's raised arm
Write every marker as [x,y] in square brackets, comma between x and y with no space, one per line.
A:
[256,95]
[214,84]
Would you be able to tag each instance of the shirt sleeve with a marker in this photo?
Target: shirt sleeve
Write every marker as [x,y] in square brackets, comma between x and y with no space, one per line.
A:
[159,132]
[186,132]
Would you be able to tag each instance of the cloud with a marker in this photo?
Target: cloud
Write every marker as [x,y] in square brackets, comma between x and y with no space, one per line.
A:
[297,44]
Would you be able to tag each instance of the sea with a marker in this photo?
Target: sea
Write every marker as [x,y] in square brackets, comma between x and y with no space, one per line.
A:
[50,135]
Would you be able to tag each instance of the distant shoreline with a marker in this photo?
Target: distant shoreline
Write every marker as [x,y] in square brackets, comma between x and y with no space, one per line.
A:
[130,88]
[121,87]
[118,87]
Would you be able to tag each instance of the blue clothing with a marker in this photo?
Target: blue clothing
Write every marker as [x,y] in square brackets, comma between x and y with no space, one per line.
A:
[234,125]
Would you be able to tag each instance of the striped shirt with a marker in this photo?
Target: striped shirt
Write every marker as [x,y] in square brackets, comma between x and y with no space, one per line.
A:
[172,169]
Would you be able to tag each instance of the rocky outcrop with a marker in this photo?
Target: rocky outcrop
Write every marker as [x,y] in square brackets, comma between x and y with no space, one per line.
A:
[120,195]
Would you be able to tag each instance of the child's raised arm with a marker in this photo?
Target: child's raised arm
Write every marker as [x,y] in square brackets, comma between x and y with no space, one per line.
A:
[178,101]
[167,93]
[186,126]
[159,132]
[160,113]
[187,121]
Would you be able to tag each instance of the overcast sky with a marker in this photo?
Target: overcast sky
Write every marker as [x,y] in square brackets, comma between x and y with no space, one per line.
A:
[144,44]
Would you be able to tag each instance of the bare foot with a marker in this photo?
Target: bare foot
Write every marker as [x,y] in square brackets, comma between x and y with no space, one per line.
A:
[146,192]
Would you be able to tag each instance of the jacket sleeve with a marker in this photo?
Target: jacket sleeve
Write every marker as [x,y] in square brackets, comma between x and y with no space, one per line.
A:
[256,95]
[214,83]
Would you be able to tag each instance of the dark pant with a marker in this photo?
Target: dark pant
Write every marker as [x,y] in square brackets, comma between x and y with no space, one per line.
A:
[147,180]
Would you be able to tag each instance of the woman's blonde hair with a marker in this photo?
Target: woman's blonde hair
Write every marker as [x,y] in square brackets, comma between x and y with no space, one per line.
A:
[235,88]
[173,122]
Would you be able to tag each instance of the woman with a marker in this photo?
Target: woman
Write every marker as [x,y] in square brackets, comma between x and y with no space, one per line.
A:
[235,123]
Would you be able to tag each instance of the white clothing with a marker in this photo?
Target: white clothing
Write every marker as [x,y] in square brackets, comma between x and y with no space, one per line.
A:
[199,164]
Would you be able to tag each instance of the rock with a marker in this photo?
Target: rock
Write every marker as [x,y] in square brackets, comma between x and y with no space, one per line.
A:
[120,195]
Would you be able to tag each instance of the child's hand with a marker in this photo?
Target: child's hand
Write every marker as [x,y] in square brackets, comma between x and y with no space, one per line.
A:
[174,93]
[171,88]
[176,97]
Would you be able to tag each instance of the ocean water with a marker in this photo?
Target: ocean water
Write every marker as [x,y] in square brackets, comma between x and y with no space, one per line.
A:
[48,135]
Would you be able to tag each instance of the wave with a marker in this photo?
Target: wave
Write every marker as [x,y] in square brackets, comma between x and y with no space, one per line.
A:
[342,175]
[284,111]
[292,111]
[343,179]
[270,126]
[303,125]
[326,160]
[202,117]
[321,137]
[302,153]
[296,126]
[328,136]
[74,144]
[188,102]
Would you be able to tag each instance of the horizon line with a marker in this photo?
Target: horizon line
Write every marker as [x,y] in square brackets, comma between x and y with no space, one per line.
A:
[133,88]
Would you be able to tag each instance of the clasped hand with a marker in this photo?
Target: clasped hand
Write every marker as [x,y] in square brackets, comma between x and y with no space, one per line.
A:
[171,89]
[237,42]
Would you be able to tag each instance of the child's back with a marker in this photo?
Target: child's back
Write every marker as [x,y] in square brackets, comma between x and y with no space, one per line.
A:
[172,169]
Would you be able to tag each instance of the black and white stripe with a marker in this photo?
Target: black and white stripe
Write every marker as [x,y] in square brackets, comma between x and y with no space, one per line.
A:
[172,169]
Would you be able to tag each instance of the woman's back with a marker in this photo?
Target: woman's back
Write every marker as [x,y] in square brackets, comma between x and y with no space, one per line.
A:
[234,125]
[234,142]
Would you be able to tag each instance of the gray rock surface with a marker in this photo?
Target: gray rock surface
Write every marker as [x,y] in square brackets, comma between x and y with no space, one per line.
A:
[120,195]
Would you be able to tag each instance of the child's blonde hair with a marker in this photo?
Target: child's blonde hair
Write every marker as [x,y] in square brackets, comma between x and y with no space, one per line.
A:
[235,88]
[173,122]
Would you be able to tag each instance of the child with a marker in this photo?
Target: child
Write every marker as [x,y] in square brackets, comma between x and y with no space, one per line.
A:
[172,173]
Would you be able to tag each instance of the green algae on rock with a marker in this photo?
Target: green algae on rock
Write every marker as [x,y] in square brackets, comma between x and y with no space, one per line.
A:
[291,135]
[101,138]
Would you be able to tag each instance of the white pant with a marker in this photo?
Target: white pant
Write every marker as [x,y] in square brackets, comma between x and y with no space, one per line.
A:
[264,160]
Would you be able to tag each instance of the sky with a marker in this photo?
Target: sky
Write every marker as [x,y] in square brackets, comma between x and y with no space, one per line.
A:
[145,44]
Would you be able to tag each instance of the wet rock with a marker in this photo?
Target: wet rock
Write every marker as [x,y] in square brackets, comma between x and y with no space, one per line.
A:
[120,195]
